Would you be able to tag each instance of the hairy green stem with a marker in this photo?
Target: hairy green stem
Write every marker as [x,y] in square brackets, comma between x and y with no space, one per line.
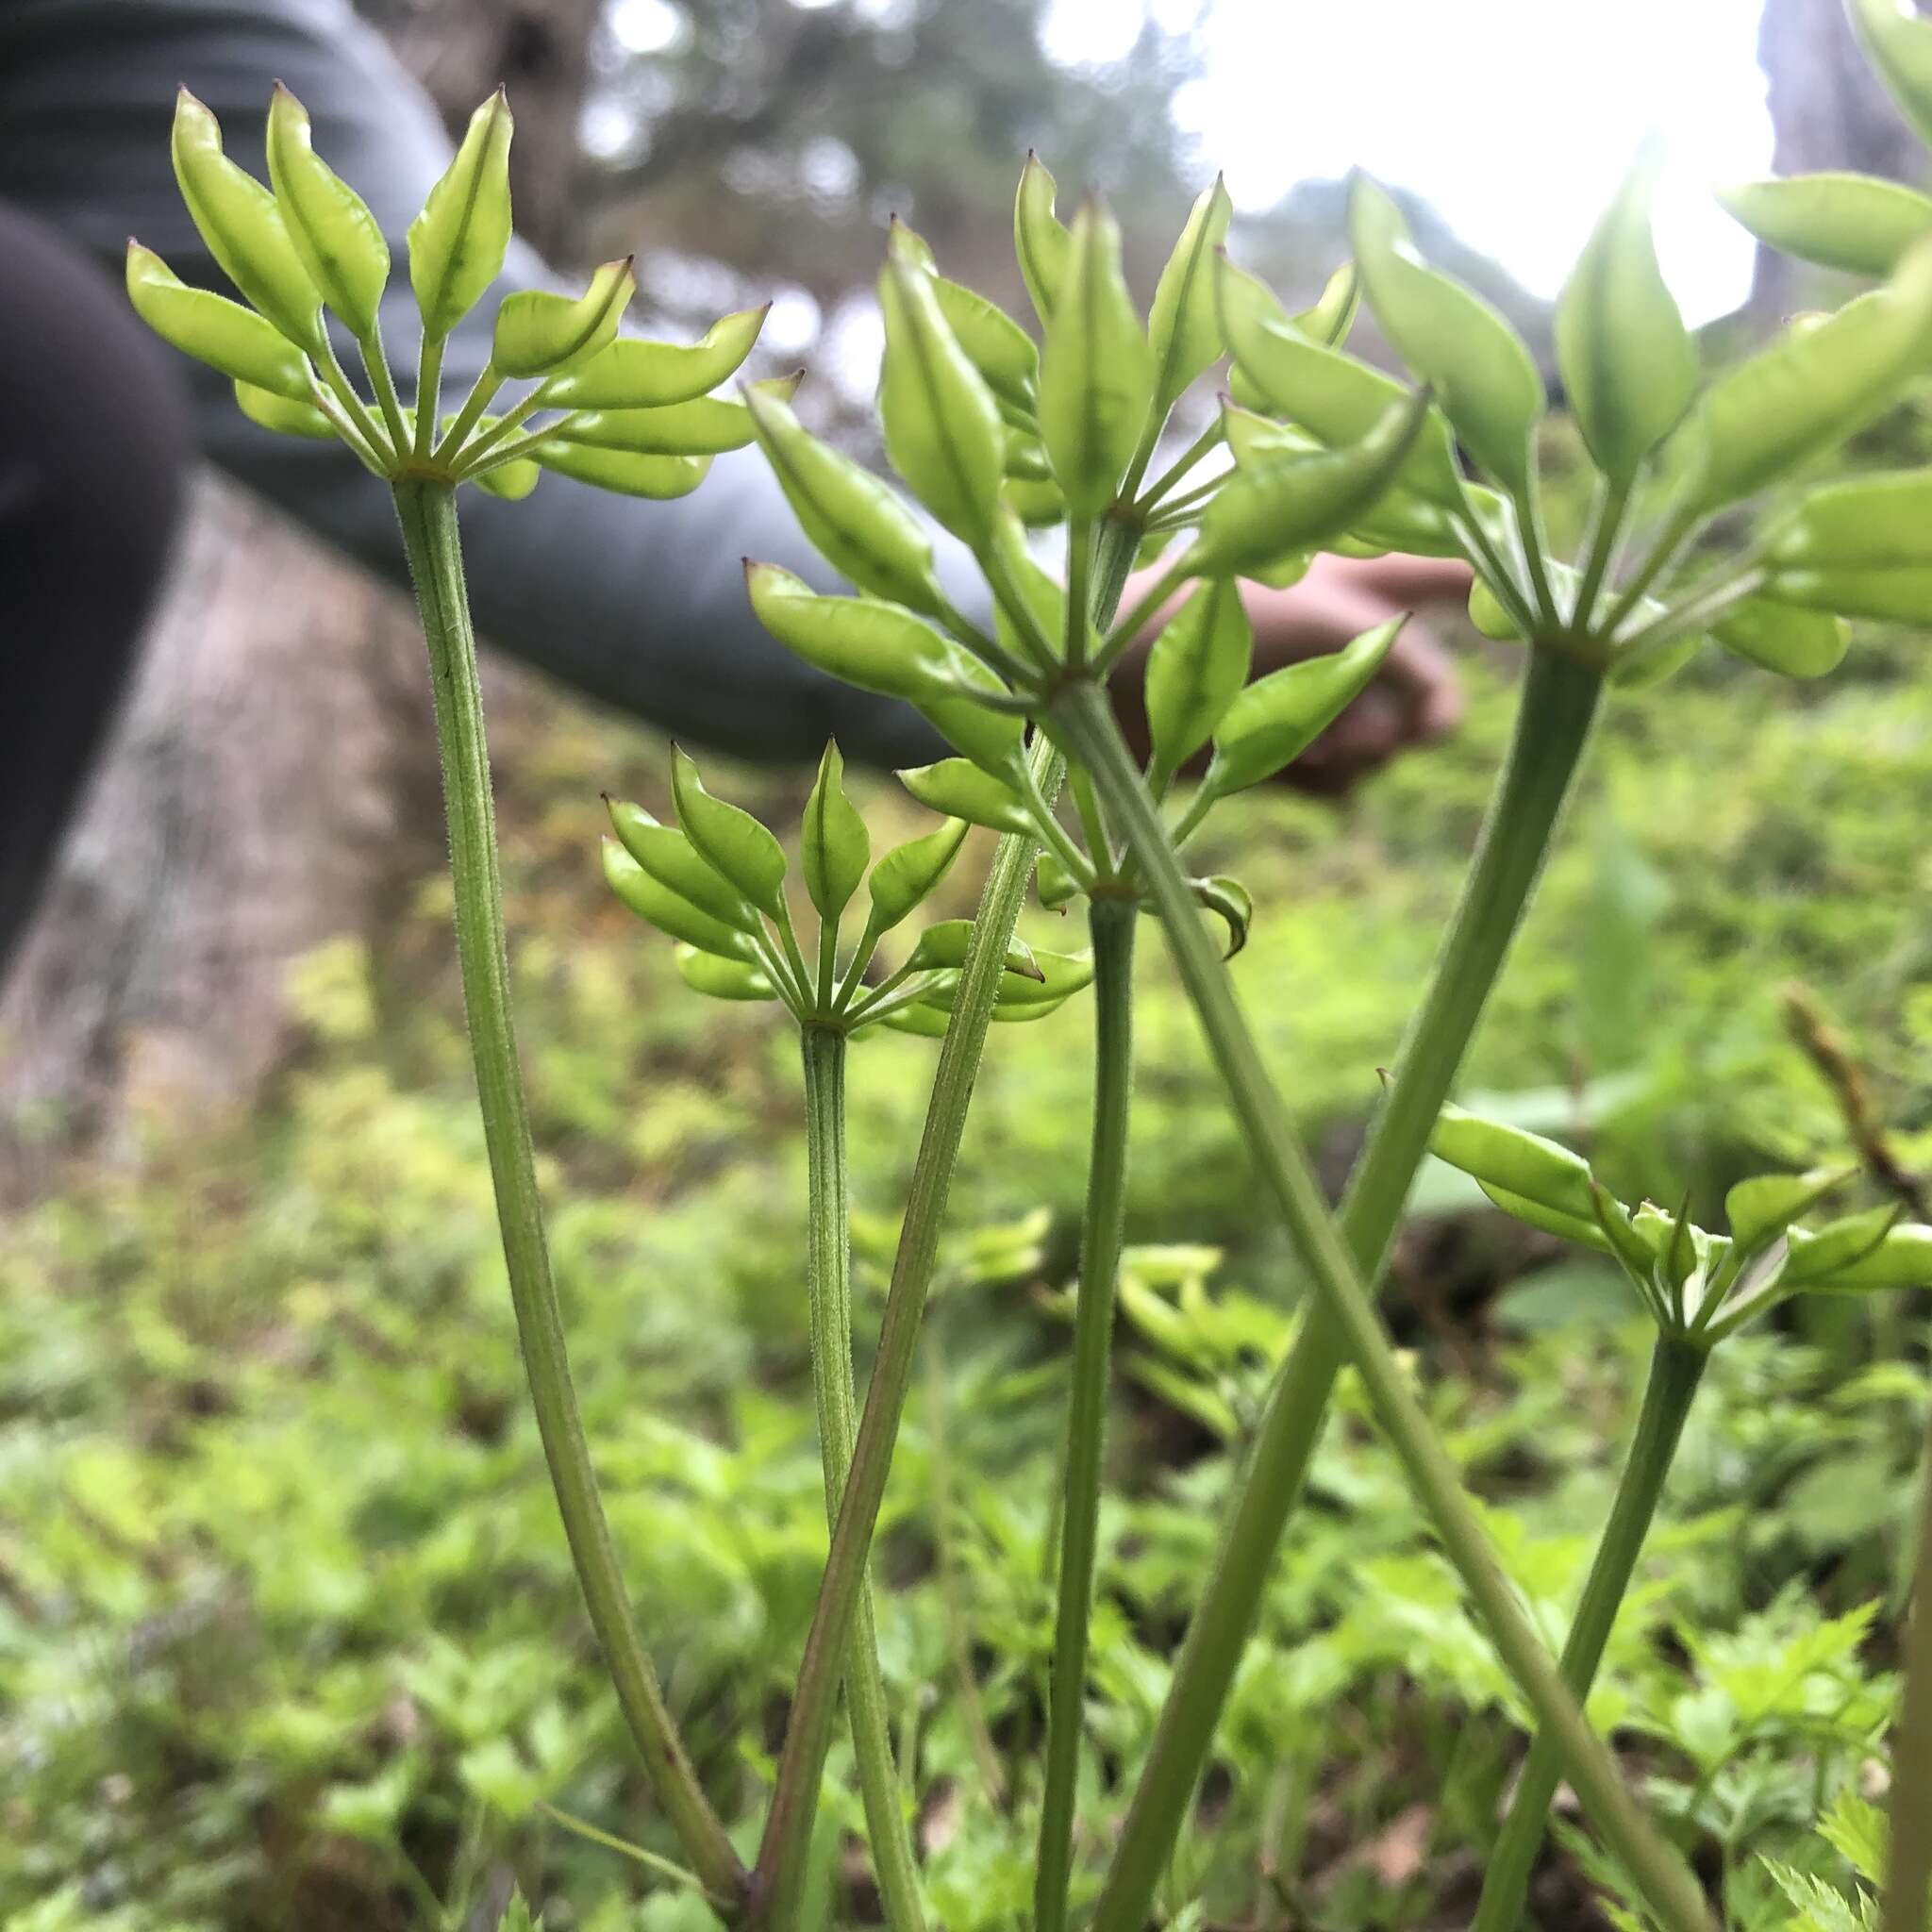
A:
[1908,1873]
[1111,922]
[1675,1367]
[1084,719]
[780,1869]
[829,1250]
[1558,701]
[429,516]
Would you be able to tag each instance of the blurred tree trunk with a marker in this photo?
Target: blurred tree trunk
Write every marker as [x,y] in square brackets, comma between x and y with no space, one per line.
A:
[272,783]
[1828,110]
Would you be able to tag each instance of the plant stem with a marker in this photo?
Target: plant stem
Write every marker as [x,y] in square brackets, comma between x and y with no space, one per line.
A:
[830,1280]
[1908,1873]
[1558,701]
[1085,721]
[429,516]
[1111,922]
[1675,1367]
[776,1881]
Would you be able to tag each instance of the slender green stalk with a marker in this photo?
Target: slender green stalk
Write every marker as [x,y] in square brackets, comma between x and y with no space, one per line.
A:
[429,516]
[781,1868]
[1082,718]
[1559,699]
[1675,1367]
[1111,922]
[1909,1876]
[830,1248]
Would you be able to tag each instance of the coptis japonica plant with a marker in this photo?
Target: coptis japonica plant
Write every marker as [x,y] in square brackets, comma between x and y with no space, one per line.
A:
[994,433]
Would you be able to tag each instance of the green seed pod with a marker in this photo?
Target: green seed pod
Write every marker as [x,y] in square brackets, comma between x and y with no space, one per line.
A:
[1855,223]
[1329,393]
[1865,523]
[1836,1247]
[945,945]
[921,1021]
[908,875]
[1293,503]
[1901,1259]
[513,482]
[1274,720]
[1451,339]
[1525,1165]
[1899,45]
[339,243]
[284,416]
[1902,595]
[1627,360]
[214,330]
[705,426]
[723,979]
[834,847]
[877,646]
[994,740]
[1332,316]
[244,228]
[541,334]
[1184,324]
[1761,1209]
[1040,243]
[852,519]
[458,244]
[1792,642]
[941,426]
[1037,503]
[960,790]
[1198,664]
[1040,592]
[730,841]
[1054,884]
[673,861]
[1230,901]
[1807,392]
[669,912]
[995,343]
[1096,374]
[634,375]
[661,478]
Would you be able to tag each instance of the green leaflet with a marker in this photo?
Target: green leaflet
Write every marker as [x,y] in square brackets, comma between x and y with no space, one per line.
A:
[1096,374]
[1198,663]
[1483,377]
[631,373]
[539,332]
[1856,223]
[457,244]
[730,841]
[214,330]
[339,240]
[1627,360]
[833,846]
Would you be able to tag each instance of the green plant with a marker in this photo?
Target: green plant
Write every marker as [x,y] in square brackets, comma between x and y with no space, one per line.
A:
[992,432]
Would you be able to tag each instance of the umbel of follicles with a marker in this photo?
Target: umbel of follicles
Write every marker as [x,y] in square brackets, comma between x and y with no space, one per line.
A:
[716,882]
[562,390]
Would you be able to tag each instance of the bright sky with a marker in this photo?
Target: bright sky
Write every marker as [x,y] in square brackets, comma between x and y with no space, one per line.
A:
[1517,118]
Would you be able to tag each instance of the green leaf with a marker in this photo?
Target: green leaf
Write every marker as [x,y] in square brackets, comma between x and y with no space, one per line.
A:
[833,846]
[1290,504]
[339,243]
[1184,324]
[723,979]
[457,244]
[630,374]
[1899,45]
[1856,223]
[941,426]
[1333,395]
[674,862]
[1198,663]
[1231,901]
[944,946]
[1096,374]
[1274,721]
[995,343]
[1628,361]
[659,478]
[1794,642]
[1484,377]
[669,912]
[960,790]
[244,228]
[1042,244]
[1761,1210]
[214,330]
[908,875]
[730,841]
[1520,1164]
[1807,392]
[861,641]
[539,333]
[284,416]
